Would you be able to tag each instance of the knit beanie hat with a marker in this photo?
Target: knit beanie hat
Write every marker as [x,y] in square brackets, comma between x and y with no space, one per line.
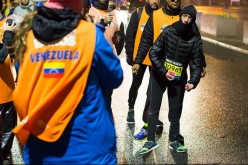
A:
[189,9]
[76,5]
[101,6]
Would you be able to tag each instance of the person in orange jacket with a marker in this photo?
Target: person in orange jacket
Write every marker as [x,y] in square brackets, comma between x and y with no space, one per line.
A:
[66,65]
[8,116]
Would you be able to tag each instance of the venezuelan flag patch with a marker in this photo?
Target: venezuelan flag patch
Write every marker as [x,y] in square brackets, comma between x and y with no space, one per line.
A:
[54,69]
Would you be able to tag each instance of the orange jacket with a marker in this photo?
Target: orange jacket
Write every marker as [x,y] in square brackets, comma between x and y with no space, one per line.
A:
[51,83]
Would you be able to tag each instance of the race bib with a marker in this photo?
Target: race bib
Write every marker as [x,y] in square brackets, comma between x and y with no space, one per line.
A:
[174,68]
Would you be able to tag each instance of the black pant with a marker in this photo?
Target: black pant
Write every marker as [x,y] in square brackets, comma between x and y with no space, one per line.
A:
[147,104]
[137,80]
[175,91]
[8,120]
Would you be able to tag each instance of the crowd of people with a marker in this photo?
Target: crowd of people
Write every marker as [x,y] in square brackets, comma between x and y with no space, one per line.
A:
[59,66]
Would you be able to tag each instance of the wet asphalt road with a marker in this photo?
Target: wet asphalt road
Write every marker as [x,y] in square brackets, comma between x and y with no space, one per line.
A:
[214,121]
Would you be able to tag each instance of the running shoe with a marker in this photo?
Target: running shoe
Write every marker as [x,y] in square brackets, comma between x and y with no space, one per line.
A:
[147,147]
[178,147]
[142,134]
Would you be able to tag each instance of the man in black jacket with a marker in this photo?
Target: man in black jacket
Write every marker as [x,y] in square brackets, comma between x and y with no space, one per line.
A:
[134,31]
[174,50]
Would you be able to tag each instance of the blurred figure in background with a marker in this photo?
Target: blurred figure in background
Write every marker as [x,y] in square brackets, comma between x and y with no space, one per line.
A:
[7,7]
[38,3]
[25,7]
[8,116]
[119,36]
[103,12]
[59,97]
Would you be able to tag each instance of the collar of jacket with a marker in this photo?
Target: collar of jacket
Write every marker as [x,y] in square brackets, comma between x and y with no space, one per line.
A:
[171,13]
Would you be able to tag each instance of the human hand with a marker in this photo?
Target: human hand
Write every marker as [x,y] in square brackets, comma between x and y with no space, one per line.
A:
[108,18]
[203,72]
[135,68]
[169,76]
[116,38]
[189,86]
[11,27]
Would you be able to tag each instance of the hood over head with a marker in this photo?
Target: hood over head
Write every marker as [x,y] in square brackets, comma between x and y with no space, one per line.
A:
[53,24]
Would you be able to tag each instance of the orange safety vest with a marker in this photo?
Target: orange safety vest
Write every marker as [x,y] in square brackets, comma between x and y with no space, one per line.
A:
[51,83]
[7,84]
[160,21]
[143,19]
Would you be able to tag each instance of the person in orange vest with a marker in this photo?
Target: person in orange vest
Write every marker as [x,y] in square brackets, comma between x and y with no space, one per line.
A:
[66,64]
[160,19]
[8,118]
[134,31]
[7,8]
[25,7]
[103,12]
[176,48]
[100,15]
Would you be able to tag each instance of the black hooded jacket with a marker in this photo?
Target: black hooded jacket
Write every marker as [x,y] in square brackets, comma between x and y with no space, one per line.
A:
[50,25]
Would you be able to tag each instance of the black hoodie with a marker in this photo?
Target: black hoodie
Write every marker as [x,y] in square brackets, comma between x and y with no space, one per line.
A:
[53,24]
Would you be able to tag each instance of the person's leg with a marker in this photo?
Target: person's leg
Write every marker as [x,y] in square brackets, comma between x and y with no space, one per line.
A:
[143,131]
[175,96]
[1,133]
[142,134]
[145,111]
[158,86]
[9,121]
[133,92]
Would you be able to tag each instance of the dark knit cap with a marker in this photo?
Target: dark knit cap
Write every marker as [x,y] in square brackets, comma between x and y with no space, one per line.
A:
[189,9]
